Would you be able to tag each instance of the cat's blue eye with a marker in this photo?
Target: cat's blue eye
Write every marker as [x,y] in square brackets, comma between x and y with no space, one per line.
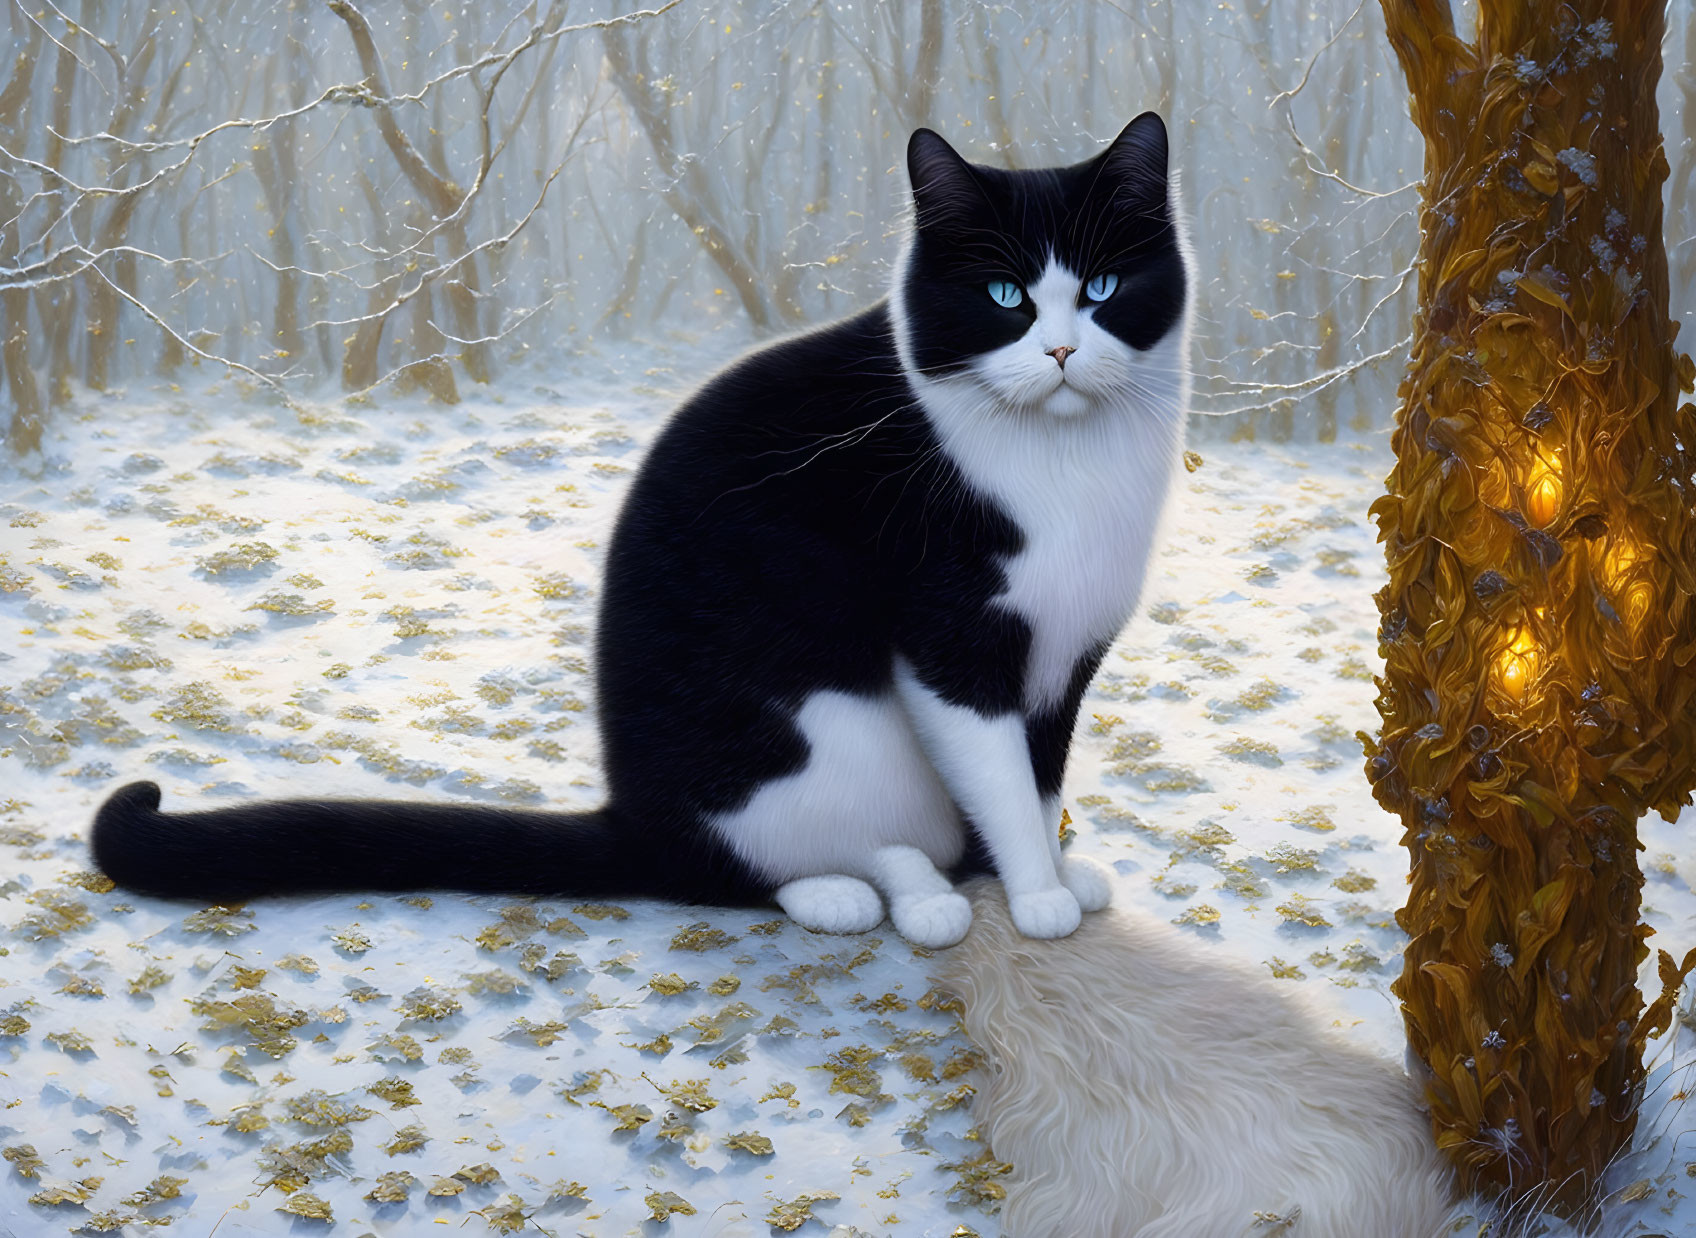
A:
[1005,293]
[1101,287]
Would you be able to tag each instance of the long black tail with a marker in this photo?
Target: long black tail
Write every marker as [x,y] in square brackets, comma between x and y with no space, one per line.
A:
[297,846]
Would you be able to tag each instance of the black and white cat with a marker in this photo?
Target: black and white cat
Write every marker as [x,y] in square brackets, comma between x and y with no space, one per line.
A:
[852,601]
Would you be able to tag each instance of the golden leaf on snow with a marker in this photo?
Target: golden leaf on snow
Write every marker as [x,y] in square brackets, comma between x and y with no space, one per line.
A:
[163,1187]
[350,940]
[246,977]
[493,980]
[24,1160]
[108,1222]
[316,1107]
[962,1061]
[305,1204]
[508,1216]
[1298,910]
[675,1129]
[601,911]
[400,1043]
[850,1071]
[751,1142]
[919,1067]
[793,1214]
[67,1192]
[630,1117]
[978,1183]
[58,915]
[407,1139]
[392,1187]
[395,1090]
[151,977]
[691,1095]
[955,1096]
[426,1004]
[94,883]
[700,937]
[540,1034]
[1200,914]
[71,1041]
[662,1205]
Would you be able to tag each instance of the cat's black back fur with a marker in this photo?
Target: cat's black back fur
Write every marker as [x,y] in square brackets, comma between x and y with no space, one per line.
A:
[773,544]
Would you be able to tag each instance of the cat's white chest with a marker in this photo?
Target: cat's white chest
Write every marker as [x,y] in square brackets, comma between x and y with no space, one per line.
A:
[1089,525]
[1087,494]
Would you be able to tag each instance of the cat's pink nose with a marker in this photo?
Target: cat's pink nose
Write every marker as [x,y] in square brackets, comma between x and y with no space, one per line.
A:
[1061,353]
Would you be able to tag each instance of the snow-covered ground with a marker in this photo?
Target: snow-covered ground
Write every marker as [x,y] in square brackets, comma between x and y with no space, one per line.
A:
[394,597]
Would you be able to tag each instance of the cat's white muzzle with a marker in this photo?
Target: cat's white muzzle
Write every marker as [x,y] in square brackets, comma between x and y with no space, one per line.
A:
[1026,375]
[1067,400]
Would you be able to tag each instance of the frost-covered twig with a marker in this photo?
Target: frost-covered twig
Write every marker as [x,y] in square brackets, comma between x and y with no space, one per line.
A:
[1295,392]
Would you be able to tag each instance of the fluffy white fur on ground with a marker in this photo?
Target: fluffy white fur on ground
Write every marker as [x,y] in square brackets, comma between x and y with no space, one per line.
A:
[1143,1088]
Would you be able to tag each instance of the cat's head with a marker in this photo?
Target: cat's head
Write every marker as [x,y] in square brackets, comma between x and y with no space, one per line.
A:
[1057,291]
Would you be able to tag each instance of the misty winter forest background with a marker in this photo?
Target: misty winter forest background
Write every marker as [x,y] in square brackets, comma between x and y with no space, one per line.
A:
[328,197]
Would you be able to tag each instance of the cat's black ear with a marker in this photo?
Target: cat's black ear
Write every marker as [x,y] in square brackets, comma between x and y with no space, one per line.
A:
[1139,155]
[945,188]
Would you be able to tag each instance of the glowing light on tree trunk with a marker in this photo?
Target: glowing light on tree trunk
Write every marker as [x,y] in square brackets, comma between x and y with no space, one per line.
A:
[1543,488]
[1517,665]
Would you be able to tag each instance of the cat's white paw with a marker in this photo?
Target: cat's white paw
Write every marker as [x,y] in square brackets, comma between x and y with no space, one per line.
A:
[1046,913]
[832,904]
[935,921]
[1090,881]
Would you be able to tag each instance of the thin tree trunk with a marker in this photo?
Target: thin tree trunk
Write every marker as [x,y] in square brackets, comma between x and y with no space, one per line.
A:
[363,348]
[301,200]
[824,134]
[463,287]
[995,104]
[428,370]
[927,65]
[436,187]
[1321,284]
[619,310]
[56,301]
[274,167]
[1280,415]
[105,305]
[687,192]
[23,433]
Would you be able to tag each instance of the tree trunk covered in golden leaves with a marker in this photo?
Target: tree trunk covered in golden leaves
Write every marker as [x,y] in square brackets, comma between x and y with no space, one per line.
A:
[1539,631]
